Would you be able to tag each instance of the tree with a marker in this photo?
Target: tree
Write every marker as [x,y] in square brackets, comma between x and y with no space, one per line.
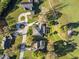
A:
[3,5]
[54,13]
[75,58]
[62,47]
[1,51]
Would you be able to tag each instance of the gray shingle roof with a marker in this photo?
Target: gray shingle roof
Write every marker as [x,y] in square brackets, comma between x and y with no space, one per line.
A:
[40,29]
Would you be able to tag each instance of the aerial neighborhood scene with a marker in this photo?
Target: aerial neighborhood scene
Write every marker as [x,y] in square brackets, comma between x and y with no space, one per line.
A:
[39,29]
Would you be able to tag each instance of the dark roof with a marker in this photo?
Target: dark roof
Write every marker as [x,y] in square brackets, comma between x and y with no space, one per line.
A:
[7,43]
[10,40]
[41,45]
[30,5]
[27,5]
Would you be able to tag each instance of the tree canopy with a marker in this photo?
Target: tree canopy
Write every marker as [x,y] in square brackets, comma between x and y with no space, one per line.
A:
[3,5]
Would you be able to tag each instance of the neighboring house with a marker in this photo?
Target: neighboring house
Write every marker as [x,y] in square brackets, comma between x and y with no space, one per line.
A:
[27,5]
[39,45]
[36,31]
[5,56]
[32,5]
[8,41]
[44,29]
[40,29]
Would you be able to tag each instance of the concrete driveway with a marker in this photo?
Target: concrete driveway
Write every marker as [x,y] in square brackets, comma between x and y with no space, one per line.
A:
[24,31]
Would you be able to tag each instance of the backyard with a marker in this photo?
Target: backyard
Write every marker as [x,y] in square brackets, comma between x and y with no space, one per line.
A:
[70,15]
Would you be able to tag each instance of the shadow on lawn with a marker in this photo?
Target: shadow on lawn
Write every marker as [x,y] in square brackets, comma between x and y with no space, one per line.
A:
[75,33]
[10,7]
[72,25]
[53,15]
[62,48]
[60,6]
[75,58]
[3,24]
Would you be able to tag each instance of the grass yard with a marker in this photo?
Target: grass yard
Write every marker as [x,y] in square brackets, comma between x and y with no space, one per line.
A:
[12,17]
[72,10]
[70,14]
[28,55]
[1,38]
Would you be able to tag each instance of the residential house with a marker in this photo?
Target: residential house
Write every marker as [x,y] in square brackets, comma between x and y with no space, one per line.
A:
[7,42]
[40,29]
[5,56]
[27,5]
[32,5]
[39,45]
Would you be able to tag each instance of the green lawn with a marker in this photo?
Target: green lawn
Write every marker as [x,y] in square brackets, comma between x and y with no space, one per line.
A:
[28,55]
[1,38]
[71,10]
[72,15]
[12,17]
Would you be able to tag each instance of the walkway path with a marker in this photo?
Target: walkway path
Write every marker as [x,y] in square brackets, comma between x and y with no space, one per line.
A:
[24,31]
